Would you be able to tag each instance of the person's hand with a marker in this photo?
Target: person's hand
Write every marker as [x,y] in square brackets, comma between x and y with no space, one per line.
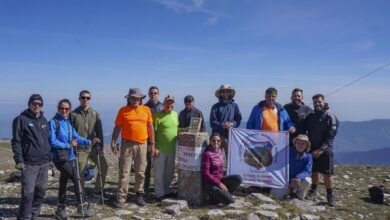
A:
[295,182]
[115,149]
[74,143]
[95,141]
[228,125]
[292,130]
[317,153]
[223,187]
[19,166]
[155,152]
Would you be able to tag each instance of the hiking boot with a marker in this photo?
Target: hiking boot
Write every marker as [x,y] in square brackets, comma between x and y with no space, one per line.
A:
[140,199]
[331,201]
[61,213]
[85,211]
[311,194]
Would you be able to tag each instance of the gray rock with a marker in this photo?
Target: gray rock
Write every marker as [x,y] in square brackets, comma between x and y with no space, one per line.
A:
[172,209]
[123,212]
[234,213]
[309,217]
[215,213]
[136,217]
[346,177]
[261,197]
[190,218]
[307,206]
[240,204]
[168,202]
[112,218]
[252,217]
[2,173]
[269,206]
[267,214]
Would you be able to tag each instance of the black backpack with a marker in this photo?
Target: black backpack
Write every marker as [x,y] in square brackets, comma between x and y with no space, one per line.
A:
[377,194]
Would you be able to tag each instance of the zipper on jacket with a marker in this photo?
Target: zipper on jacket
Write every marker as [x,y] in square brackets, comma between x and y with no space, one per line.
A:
[40,129]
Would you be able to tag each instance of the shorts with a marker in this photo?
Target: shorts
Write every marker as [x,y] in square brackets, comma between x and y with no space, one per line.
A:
[324,163]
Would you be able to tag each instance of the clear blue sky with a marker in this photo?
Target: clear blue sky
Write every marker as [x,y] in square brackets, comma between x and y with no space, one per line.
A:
[56,48]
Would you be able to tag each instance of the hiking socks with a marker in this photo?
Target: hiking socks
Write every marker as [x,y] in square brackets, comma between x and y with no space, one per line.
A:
[313,188]
[329,192]
[330,197]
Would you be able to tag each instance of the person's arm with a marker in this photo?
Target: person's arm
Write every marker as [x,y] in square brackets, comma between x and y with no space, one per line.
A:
[152,145]
[250,124]
[214,123]
[288,125]
[80,140]
[205,170]
[202,124]
[17,136]
[332,131]
[237,116]
[99,130]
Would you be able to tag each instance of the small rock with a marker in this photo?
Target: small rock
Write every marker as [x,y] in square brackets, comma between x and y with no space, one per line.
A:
[190,218]
[234,213]
[252,217]
[261,197]
[361,216]
[2,173]
[168,202]
[240,204]
[142,211]
[112,218]
[306,205]
[269,206]
[346,177]
[123,212]
[267,214]
[173,209]
[136,217]
[215,213]
[309,217]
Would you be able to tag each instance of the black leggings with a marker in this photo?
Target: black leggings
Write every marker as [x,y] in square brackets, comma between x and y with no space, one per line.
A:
[217,195]
[67,171]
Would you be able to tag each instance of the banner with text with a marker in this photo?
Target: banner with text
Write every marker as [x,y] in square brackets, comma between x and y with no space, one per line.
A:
[259,157]
[189,158]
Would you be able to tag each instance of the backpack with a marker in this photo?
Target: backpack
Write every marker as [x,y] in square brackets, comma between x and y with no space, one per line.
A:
[377,194]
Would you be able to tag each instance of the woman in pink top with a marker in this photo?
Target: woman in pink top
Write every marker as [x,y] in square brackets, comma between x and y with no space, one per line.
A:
[217,186]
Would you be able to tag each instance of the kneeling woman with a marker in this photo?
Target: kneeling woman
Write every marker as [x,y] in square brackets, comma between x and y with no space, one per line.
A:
[217,187]
[64,140]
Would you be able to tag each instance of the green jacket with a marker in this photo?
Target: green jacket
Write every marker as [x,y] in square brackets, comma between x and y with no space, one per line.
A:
[88,124]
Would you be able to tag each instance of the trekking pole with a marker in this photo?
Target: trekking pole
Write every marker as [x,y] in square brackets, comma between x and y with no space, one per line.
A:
[79,180]
[100,175]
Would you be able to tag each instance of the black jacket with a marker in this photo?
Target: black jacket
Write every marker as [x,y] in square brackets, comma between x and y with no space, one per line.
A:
[298,114]
[321,128]
[30,139]
[185,118]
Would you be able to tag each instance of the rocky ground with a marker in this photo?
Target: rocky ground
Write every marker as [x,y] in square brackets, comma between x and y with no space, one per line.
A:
[352,183]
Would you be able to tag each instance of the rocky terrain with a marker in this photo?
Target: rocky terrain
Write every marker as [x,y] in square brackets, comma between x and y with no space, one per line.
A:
[352,183]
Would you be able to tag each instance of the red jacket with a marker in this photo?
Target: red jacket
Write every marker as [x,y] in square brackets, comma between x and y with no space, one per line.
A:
[212,165]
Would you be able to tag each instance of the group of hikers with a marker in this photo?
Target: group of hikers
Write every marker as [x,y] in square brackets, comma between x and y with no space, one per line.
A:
[148,140]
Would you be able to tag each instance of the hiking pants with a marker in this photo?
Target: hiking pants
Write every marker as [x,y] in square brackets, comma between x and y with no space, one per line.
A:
[217,195]
[164,166]
[34,184]
[67,172]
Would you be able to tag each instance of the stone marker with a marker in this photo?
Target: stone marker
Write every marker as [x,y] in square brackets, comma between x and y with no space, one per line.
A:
[189,159]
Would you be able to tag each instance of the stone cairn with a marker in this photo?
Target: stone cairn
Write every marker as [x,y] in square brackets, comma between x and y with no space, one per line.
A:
[190,181]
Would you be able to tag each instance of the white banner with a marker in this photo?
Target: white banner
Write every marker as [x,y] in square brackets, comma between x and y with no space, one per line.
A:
[189,158]
[259,157]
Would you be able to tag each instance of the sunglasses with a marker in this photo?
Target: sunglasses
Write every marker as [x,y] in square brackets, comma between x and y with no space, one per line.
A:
[65,109]
[85,97]
[216,141]
[37,104]
[153,93]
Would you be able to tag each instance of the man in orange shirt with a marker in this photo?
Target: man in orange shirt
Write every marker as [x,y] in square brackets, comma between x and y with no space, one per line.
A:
[136,123]
[268,115]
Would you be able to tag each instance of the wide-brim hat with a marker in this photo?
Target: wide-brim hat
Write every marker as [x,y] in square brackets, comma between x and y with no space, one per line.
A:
[225,87]
[303,138]
[135,92]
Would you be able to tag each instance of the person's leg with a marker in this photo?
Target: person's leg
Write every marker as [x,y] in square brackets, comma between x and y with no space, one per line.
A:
[147,171]
[29,176]
[93,155]
[140,166]
[232,182]
[65,169]
[303,187]
[220,196]
[40,189]
[125,159]
[159,170]
[279,193]
[83,159]
[169,172]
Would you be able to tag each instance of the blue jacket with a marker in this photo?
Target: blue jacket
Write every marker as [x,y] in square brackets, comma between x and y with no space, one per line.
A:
[223,112]
[255,121]
[66,134]
[300,166]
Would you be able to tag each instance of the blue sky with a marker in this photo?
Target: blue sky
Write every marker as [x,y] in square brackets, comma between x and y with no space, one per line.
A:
[57,48]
